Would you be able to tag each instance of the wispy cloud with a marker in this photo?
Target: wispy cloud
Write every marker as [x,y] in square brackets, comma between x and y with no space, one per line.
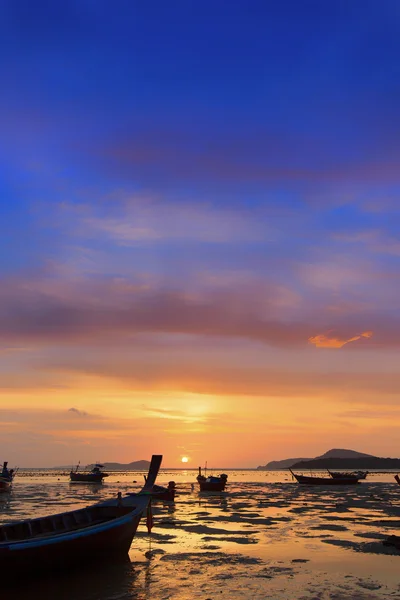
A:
[374,241]
[80,413]
[105,310]
[137,219]
[327,341]
[233,160]
[375,413]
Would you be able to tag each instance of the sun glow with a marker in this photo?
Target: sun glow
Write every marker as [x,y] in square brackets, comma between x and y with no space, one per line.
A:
[185,459]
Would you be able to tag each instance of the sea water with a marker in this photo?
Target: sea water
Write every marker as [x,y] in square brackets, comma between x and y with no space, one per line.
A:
[265,537]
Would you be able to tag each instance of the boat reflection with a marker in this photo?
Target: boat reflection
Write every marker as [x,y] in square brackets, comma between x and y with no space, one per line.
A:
[116,579]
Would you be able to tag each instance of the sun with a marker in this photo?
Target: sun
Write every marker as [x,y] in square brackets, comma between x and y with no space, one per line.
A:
[185,459]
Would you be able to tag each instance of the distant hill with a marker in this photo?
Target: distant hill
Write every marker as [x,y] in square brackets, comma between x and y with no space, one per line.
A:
[342,453]
[138,465]
[335,453]
[282,464]
[364,462]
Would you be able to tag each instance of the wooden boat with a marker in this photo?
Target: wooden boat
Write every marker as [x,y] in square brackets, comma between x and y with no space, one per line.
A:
[349,474]
[397,478]
[73,538]
[96,475]
[6,478]
[211,483]
[5,485]
[311,480]
[159,492]
[164,493]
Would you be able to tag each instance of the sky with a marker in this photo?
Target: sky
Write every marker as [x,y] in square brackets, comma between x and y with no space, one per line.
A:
[200,217]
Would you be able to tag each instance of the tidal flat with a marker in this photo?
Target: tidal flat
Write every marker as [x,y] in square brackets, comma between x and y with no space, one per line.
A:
[265,537]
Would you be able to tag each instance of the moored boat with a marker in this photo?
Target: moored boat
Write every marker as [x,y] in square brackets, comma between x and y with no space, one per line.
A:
[349,474]
[6,478]
[397,478]
[159,492]
[96,475]
[164,493]
[313,480]
[73,538]
[212,483]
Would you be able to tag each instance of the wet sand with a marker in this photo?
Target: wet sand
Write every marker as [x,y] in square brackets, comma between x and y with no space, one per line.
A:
[266,537]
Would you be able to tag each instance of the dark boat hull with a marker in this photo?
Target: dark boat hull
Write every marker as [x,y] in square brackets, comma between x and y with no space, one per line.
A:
[350,475]
[211,486]
[74,538]
[305,480]
[211,483]
[71,549]
[87,477]
[166,497]
[5,484]
[166,494]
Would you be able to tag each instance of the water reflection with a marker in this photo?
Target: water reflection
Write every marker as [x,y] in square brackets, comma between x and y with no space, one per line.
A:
[214,499]
[170,506]
[90,488]
[257,540]
[94,582]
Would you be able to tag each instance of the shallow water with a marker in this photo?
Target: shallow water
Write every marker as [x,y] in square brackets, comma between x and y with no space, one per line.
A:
[265,537]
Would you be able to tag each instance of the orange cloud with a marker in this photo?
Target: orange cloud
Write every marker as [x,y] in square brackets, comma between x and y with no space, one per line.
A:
[324,341]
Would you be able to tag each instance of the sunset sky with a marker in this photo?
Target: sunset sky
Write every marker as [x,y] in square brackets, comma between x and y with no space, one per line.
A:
[200,217]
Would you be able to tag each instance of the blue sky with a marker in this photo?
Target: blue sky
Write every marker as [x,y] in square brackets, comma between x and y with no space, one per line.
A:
[210,182]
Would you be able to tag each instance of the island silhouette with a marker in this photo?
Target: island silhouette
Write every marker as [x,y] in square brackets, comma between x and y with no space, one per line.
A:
[336,458]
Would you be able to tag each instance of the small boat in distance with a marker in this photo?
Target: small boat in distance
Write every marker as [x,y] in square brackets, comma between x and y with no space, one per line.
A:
[71,539]
[159,492]
[211,483]
[350,474]
[312,480]
[164,493]
[6,478]
[96,475]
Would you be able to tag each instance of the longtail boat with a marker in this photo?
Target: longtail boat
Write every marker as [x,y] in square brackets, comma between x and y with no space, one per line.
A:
[73,538]
[211,483]
[159,492]
[311,480]
[348,474]
[164,493]
[6,478]
[96,475]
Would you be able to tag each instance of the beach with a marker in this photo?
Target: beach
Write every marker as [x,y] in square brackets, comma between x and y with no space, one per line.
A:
[265,537]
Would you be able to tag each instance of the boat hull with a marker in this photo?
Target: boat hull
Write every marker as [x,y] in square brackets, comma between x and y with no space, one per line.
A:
[350,475]
[167,496]
[74,538]
[211,483]
[5,485]
[87,477]
[305,480]
[211,486]
[71,549]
